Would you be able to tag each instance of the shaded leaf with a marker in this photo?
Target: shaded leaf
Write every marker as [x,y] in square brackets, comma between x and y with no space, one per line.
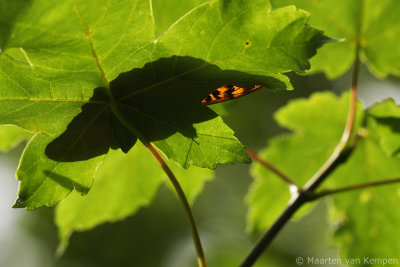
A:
[156,101]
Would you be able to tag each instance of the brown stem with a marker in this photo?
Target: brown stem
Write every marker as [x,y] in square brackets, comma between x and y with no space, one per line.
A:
[340,149]
[201,259]
[353,187]
[270,166]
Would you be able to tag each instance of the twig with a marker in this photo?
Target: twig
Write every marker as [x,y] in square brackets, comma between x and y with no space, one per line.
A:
[267,238]
[328,192]
[339,155]
[271,167]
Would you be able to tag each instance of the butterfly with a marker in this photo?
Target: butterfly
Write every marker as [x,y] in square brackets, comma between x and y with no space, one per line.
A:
[227,92]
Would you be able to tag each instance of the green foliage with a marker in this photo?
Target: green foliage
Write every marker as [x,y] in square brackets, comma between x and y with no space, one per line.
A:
[372,23]
[318,124]
[358,217]
[91,80]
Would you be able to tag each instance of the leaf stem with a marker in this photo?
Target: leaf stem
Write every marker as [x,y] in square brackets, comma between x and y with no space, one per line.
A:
[181,195]
[328,192]
[339,155]
[201,259]
[332,161]
[271,167]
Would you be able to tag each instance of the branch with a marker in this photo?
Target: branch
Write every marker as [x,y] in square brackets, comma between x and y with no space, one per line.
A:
[271,167]
[278,225]
[328,192]
[331,163]
[188,211]
[339,155]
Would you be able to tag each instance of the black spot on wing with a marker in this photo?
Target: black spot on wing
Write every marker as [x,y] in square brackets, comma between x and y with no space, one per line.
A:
[230,91]
[216,94]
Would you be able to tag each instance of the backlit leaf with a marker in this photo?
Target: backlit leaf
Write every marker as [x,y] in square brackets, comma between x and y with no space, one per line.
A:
[60,77]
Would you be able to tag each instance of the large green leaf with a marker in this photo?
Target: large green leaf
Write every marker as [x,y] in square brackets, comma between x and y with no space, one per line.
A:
[56,78]
[318,123]
[373,23]
[247,37]
[123,184]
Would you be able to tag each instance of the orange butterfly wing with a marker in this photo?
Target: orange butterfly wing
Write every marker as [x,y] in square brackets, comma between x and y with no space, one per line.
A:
[227,92]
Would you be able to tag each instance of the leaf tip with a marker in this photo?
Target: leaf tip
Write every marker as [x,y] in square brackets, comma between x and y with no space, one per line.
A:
[61,249]
[247,159]
[19,203]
